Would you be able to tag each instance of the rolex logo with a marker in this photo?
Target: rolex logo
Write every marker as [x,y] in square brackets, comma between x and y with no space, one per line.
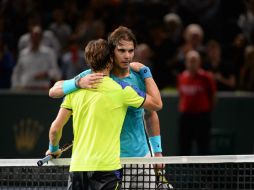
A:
[27,132]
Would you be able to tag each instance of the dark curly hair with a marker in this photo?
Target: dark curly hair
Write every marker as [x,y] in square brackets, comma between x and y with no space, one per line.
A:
[120,33]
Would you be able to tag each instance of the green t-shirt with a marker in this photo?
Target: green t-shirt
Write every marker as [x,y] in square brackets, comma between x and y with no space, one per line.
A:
[98,116]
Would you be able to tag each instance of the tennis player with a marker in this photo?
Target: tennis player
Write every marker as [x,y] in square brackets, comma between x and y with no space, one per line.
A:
[134,143]
[98,116]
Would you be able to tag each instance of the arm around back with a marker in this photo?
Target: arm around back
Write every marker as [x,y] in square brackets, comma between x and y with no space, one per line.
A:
[56,91]
[152,105]
[153,98]
[83,80]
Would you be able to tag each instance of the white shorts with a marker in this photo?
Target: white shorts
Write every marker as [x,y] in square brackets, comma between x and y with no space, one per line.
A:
[138,176]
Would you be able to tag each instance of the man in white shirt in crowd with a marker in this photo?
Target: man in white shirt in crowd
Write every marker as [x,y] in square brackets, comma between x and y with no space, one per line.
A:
[36,66]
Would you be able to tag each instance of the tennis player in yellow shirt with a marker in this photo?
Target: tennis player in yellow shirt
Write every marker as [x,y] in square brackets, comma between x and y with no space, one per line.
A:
[98,116]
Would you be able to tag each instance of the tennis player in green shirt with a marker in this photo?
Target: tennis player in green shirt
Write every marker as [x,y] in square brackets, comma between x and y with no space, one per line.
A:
[98,116]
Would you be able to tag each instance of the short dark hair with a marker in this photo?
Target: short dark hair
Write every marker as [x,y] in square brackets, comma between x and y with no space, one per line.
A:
[120,33]
[97,54]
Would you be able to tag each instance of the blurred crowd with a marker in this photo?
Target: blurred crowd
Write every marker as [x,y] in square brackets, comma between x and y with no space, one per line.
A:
[42,41]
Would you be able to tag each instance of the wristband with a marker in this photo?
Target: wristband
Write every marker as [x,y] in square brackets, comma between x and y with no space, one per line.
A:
[69,86]
[145,72]
[155,143]
[53,148]
[76,81]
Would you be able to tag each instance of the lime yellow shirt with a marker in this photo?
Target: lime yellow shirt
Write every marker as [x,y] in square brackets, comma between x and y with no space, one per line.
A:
[98,116]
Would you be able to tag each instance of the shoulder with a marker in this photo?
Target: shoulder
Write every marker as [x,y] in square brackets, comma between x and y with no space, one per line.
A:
[137,80]
[123,84]
[127,87]
[135,75]
[134,72]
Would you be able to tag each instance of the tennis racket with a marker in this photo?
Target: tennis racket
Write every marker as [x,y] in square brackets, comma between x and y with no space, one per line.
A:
[161,181]
[49,157]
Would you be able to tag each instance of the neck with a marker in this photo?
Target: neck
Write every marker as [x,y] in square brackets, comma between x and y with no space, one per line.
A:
[105,72]
[121,73]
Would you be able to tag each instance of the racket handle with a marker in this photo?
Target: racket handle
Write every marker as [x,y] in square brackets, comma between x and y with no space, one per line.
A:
[44,160]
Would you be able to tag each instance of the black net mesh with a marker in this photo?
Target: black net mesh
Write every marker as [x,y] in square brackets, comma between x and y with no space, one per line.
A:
[205,176]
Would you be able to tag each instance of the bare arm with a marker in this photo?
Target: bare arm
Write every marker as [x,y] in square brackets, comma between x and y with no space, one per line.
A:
[88,81]
[153,98]
[152,125]
[55,132]
[57,90]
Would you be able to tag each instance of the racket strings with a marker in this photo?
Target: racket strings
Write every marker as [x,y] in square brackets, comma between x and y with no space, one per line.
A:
[162,182]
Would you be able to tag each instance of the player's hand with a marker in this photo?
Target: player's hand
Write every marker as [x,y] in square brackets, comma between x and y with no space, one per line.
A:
[55,154]
[90,80]
[158,166]
[136,66]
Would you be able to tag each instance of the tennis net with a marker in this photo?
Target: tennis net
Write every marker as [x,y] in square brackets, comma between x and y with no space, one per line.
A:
[227,172]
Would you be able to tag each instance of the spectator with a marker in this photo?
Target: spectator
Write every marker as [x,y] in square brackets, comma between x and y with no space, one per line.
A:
[143,54]
[6,35]
[174,26]
[7,64]
[247,71]
[174,29]
[48,38]
[193,36]
[197,97]
[206,13]
[193,40]
[162,49]
[71,12]
[224,73]
[82,30]
[73,61]
[246,21]
[235,53]
[60,28]
[36,65]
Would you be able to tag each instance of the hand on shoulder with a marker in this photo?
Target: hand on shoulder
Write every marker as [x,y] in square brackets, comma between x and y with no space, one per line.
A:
[136,66]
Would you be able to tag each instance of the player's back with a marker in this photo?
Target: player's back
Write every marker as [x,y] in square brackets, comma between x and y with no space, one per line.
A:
[98,116]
